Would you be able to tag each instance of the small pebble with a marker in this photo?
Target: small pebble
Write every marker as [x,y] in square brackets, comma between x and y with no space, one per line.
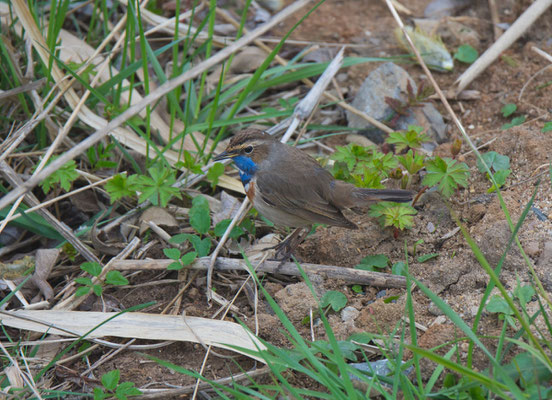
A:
[433,309]
[349,314]
[430,227]
[539,214]
[380,294]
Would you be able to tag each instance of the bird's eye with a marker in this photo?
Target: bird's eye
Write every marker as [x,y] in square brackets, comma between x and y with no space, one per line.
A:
[248,150]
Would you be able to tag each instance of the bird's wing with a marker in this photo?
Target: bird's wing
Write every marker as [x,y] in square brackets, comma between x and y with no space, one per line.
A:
[306,201]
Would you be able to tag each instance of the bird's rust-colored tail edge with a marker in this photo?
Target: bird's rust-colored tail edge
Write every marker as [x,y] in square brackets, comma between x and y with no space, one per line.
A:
[371,195]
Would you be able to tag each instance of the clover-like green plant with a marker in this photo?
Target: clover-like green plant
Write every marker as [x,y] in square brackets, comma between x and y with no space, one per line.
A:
[63,176]
[499,165]
[111,278]
[412,138]
[111,387]
[447,174]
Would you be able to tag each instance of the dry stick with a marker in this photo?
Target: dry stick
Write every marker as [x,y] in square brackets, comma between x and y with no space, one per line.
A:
[524,21]
[465,135]
[63,229]
[349,275]
[494,19]
[22,89]
[541,53]
[166,393]
[239,215]
[547,57]
[309,83]
[134,109]
[25,377]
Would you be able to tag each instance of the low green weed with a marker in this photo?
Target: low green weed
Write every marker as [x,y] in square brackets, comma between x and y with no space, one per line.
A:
[111,387]
[499,165]
[111,278]
[63,177]
[203,238]
[507,111]
[367,167]
[466,54]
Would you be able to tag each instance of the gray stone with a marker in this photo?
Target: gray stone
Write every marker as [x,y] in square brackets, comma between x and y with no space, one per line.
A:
[433,309]
[349,314]
[390,80]
[444,8]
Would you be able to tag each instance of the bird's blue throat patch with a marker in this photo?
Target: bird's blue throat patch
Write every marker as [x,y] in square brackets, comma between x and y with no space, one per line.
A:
[247,168]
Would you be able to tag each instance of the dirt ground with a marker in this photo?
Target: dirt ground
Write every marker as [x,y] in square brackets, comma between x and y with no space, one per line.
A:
[455,274]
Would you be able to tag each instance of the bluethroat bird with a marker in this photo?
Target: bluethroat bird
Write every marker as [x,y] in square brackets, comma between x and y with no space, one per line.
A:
[290,188]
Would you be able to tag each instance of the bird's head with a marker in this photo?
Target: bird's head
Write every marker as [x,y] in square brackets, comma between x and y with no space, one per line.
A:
[247,149]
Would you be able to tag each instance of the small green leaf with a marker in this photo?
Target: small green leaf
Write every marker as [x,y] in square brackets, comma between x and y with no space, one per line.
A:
[111,379]
[547,127]
[223,225]
[466,54]
[391,299]
[377,261]
[508,109]
[188,258]
[399,268]
[93,268]
[530,370]
[524,293]
[99,394]
[97,289]
[173,254]
[425,257]
[413,138]
[175,266]
[214,173]
[396,215]
[83,281]
[179,239]
[500,179]
[201,246]
[199,215]
[335,299]
[81,291]
[118,187]
[189,163]
[157,187]
[515,122]
[447,173]
[115,278]
[357,288]
[126,389]
[494,161]
[498,305]
[64,176]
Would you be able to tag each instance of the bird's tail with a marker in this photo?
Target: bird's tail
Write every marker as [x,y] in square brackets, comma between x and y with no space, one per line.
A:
[364,196]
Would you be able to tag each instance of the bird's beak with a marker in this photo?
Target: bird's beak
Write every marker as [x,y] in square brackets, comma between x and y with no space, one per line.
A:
[222,156]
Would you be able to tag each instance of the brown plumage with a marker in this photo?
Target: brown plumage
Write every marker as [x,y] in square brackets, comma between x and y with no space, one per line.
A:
[291,188]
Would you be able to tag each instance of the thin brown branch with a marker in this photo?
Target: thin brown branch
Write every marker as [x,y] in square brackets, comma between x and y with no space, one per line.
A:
[349,275]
